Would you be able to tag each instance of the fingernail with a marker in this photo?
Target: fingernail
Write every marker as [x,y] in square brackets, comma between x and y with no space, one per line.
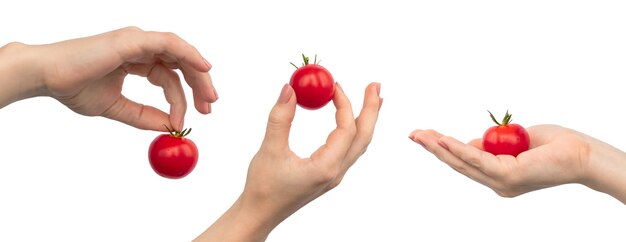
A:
[215,93]
[207,64]
[380,103]
[285,94]
[378,88]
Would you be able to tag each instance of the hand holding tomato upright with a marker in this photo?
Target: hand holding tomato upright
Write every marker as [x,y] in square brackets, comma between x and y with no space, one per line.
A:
[313,84]
[506,138]
[280,182]
[173,155]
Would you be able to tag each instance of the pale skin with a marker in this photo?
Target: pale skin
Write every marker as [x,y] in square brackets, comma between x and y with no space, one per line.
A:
[87,74]
[280,182]
[557,155]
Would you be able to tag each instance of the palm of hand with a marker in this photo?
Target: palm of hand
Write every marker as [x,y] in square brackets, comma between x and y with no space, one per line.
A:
[556,156]
[91,96]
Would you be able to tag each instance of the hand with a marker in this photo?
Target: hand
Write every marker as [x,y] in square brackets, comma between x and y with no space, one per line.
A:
[87,75]
[280,182]
[556,156]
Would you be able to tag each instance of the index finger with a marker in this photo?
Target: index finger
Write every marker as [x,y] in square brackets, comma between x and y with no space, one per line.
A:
[484,161]
[194,67]
[148,44]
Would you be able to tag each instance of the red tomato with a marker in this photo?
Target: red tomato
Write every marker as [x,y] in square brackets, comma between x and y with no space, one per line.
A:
[506,138]
[172,155]
[313,85]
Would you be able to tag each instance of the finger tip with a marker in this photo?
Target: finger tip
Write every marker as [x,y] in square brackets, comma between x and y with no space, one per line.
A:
[376,86]
[414,132]
[286,95]
[414,136]
[339,97]
[215,96]
[203,107]
[417,141]
[207,65]
[338,89]
[180,126]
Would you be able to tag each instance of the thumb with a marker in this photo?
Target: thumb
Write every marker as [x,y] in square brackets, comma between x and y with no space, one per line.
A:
[281,116]
[137,115]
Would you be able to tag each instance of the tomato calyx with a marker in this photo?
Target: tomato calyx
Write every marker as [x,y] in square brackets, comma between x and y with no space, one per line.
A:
[305,60]
[178,134]
[505,121]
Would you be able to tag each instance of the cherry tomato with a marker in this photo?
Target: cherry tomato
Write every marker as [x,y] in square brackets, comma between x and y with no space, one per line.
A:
[172,155]
[506,138]
[313,84]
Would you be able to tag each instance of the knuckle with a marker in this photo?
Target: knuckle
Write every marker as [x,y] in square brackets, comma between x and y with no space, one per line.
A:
[505,190]
[363,150]
[503,193]
[171,36]
[276,120]
[329,174]
[130,30]
[507,193]
[133,29]
[13,46]
[172,39]
[334,183]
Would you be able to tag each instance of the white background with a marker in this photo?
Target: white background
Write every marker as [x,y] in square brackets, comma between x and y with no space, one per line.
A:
[442,65]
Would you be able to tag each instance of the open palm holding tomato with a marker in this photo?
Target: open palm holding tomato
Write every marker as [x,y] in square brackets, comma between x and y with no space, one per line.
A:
[557,155]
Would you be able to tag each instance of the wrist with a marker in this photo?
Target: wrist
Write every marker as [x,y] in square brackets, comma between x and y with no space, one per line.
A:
[606,170]
[241,222]
[20,73]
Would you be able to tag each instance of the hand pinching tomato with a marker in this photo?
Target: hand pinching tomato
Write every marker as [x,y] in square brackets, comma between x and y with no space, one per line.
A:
[172,155]
[313,84]
[506,138]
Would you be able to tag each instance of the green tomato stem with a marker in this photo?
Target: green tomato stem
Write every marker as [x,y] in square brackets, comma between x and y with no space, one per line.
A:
[177,134]
[305,61]
[493,118]
[505,121]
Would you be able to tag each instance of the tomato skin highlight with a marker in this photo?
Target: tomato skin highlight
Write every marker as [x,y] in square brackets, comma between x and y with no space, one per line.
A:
[509,139]
[314,86]
[172,157]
